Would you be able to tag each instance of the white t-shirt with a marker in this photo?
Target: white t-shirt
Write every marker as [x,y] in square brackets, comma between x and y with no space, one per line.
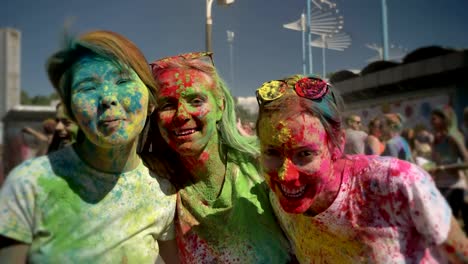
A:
[70,213]
[387,211]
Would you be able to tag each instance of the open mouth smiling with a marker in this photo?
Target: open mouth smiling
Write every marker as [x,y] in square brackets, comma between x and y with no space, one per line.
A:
[292,192]
[184,132]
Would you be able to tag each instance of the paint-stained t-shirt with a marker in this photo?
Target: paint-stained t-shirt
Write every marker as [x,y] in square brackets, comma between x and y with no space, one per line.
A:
[387,211]
[238,226]
[71,213]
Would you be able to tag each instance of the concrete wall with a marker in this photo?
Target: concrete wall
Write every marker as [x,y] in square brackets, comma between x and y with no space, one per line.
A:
[10,68]
[19,146]
[412,89]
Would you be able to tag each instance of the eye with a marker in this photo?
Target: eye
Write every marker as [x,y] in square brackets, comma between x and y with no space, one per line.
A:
[197,101]
[167,106]
[305,153]
[271,159]
[269,152]
[123,81]
[84,89]
[305,156]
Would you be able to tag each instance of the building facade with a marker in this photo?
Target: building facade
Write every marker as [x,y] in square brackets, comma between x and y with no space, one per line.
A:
[10,69]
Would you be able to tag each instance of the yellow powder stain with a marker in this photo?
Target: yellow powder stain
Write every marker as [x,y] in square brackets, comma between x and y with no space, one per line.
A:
[284,134]
[127,101]
[315,243]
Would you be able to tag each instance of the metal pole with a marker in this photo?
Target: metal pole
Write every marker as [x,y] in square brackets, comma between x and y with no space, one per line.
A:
[309,38]
[230,40]
[209,24]
[323,57]
[231,52]
[384,30]
[303,28]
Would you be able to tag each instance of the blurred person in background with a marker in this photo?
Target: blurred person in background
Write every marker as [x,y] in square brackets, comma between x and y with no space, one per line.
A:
[409,135]
[374,144]
[43,138]
[355,137]
[65,130]
[395,145]
[449,154]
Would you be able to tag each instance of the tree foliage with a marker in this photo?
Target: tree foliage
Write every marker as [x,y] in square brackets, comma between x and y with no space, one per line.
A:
[26,99]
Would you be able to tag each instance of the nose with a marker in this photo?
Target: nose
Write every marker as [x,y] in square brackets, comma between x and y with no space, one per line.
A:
[288,171]
[108,100]
[182,114]
[59,126]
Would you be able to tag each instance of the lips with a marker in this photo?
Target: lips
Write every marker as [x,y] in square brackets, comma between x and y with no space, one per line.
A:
[184,132]
[110,123]
[292,192]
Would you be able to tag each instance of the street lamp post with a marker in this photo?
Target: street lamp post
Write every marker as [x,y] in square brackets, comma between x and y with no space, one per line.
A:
[230,40]
[384,30]
[209,21]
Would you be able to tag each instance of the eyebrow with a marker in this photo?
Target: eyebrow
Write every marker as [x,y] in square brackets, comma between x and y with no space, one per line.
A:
[121,73]
[84,80]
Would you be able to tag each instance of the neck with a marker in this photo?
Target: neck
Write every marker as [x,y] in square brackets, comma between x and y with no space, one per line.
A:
[116,159]
[207,170]
[330,190]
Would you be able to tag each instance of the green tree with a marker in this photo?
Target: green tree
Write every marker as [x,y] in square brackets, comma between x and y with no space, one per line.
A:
[24,99]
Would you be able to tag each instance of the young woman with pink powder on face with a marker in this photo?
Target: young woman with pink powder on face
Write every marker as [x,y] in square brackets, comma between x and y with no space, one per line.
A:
[338,208]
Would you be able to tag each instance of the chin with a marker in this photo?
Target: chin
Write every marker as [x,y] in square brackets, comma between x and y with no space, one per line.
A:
[295,205]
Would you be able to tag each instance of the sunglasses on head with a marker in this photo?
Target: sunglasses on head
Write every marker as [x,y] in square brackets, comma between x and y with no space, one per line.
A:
[308,87]
[203,55]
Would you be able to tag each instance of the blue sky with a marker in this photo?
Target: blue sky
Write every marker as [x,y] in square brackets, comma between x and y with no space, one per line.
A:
[263,49]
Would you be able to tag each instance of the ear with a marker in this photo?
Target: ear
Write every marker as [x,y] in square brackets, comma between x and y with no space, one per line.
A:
[151,108]
[337,151]
[220,104]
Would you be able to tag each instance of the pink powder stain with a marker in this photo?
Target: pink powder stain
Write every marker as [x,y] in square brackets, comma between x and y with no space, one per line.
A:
[401,168]
[289,173]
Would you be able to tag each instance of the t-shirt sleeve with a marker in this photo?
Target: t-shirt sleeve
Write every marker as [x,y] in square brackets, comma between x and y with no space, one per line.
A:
[169,232]
[17,206]
[169,205]
[391,150]
[429,211]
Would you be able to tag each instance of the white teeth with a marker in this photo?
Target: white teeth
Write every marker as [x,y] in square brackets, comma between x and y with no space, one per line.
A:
[184,132]
[292,192]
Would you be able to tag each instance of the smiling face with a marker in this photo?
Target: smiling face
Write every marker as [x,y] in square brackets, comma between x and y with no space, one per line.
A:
[109,103]
[296,159]
[65,129]
[188,110]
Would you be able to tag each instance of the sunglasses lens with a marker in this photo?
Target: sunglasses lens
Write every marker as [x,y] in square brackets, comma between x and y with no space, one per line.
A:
[311,88]
[271,90]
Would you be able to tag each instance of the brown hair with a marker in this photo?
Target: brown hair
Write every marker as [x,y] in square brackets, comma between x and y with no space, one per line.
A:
[104,44]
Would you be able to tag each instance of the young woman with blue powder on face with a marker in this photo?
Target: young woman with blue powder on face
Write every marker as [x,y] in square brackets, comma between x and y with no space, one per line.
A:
[94,201]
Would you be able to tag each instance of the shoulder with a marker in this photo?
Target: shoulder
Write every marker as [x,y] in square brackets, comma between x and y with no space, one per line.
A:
[385,173]
[154,179]
[29,171]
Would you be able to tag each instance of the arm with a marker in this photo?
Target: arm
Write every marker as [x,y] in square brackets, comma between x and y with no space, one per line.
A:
[456,244]
[12,251]
[168,251]
[36,134]
[373,144]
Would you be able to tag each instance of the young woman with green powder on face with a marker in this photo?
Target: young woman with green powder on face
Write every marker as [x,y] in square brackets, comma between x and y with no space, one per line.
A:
[94,201]
[223,212]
